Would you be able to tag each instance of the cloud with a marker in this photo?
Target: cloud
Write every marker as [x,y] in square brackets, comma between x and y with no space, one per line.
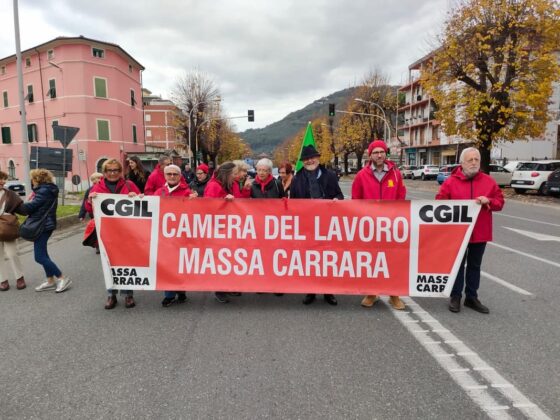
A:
[274,57]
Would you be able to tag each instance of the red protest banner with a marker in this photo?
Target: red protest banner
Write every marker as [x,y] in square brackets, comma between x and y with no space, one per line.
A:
[291,246]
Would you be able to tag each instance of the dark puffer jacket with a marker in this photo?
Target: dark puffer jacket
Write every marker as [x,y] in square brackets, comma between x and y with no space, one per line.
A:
[44,195]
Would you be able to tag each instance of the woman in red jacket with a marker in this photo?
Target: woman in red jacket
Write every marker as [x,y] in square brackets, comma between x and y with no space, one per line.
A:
[468,183]
[113,182]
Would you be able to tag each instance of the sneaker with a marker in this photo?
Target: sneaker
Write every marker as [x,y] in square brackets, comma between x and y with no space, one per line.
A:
[167,302]
[369,301]
[46,285]
[62,284]
[396,303]
[475,304]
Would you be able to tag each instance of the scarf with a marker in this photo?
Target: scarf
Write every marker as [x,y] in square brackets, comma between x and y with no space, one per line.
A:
[264,183]
[312,177]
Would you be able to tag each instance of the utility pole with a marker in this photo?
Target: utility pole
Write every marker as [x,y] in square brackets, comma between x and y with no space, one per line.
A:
[23,117]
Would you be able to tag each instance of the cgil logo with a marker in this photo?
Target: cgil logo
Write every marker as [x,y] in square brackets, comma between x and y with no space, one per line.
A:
[125,207]
[445,214]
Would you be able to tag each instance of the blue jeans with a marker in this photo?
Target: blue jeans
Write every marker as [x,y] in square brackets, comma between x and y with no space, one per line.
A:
[172,295]
[42,255]
[473,257]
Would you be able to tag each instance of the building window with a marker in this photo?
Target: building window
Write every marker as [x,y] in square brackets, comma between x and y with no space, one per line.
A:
[103,130]
[148,133]
[29,96]
[6,135]
[98,52]
[51,93]
[5,98]
[12,169]
[130,68]
[27,61]
[50,54]
[54,123]
[132,97]
[148,117]
[3,70]
[32,132]
[134,135]
[100,87]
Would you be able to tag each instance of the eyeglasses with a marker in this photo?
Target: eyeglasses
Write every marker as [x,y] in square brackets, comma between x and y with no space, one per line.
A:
[172,174]
[112,171]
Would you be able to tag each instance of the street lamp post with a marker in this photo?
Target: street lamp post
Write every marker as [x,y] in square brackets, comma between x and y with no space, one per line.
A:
[387,129]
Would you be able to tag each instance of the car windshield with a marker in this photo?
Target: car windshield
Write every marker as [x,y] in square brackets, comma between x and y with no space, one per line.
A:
[528,166]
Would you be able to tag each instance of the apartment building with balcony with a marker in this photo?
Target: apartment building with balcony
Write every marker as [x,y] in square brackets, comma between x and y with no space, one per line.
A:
[79,82]
[426,143]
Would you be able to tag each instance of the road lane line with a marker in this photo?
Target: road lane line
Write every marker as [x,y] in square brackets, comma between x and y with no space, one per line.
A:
[526,219]
[555,264]
[482,383]
[506,284]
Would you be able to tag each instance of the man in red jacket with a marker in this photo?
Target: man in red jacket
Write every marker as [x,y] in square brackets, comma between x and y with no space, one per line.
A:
[379,180]
[156,180]
[468,183]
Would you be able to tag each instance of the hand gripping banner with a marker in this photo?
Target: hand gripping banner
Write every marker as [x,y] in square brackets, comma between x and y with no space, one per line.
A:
[284,246]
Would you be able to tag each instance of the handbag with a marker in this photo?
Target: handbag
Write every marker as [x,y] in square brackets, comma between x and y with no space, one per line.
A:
[31,229]
[9,224]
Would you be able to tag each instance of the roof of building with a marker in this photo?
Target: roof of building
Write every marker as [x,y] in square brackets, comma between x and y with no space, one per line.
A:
[75,40]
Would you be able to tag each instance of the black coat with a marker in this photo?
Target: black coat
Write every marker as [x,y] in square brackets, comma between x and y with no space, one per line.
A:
[137,181]
[199,186]
[273,189]
[45,196]
[328,181]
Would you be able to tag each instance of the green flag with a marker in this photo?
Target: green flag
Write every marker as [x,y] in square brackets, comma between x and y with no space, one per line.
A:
[308,140]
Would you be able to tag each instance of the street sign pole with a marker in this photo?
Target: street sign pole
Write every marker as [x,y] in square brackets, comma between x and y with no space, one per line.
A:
[65,135]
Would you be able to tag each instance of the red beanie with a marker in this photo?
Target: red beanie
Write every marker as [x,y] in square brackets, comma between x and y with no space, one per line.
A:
[202,167]
[374,144]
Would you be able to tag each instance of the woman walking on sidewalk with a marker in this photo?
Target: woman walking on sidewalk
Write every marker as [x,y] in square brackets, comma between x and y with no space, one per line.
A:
[10,265]
[45,200]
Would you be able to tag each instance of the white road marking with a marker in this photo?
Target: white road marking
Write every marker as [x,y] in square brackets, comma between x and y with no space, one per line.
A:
[526,219]
[534,235]
[506,284]
[507,248]
[483,382]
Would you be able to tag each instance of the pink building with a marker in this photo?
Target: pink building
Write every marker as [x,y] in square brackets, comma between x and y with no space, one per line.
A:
[79,82]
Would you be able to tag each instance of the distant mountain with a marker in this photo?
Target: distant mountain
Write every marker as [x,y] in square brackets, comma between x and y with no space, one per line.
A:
[265,140]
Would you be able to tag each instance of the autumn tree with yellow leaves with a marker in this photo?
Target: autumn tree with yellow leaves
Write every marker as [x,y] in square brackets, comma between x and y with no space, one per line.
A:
[492,77]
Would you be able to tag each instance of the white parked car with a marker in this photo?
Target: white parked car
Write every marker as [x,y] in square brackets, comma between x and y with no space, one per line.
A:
[501,175]
[533,175]
[513,164]
[425,172]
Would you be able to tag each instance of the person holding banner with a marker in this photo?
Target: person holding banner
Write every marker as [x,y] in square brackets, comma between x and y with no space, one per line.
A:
[113,182]
[265,185]
[468,183]
[157,177]
[222,185]
[175,186]
[379,180]
[316,182]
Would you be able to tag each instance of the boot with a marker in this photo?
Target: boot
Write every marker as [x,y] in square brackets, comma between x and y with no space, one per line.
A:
[20,283]
[4,286]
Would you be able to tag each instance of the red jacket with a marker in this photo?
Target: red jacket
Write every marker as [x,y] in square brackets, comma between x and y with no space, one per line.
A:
[182,190]
[239,192]
[214,189]
[459,187]
[366,185]
[123,187]
[155,181]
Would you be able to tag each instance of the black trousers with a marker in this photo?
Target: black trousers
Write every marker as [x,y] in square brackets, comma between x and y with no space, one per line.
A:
[471,275]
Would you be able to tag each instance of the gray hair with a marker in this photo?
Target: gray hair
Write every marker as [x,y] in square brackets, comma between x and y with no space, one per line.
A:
[264,162]
[241,165]
[468,150]
[163,158]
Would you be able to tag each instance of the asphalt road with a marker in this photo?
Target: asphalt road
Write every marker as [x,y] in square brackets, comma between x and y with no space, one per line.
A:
[263,356]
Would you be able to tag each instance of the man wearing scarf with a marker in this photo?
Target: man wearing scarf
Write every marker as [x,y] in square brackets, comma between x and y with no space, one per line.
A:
[316,182]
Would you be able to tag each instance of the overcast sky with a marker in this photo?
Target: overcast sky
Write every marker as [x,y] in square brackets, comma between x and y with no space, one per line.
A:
[271,56]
